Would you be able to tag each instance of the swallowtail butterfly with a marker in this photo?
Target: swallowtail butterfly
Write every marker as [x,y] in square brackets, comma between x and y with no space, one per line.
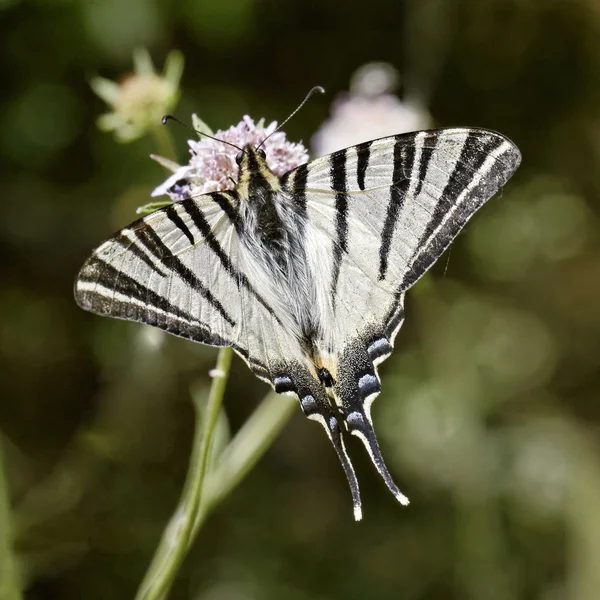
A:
[305,274]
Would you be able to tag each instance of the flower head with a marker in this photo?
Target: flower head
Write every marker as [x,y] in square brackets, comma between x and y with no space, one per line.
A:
[212,165]
[368,111]
[140,99]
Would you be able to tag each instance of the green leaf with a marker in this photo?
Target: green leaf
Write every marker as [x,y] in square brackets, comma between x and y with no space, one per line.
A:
[200,126]
[152,206]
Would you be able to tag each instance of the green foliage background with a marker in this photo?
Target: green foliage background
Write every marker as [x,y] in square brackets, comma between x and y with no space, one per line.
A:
[489,412]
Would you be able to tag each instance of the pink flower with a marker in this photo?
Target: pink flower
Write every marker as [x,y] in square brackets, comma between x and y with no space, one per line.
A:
[369,111]
[212,165]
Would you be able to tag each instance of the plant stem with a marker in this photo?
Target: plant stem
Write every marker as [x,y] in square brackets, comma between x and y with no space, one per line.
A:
[164,142]
[243,452]
[9,581]
[202,490]
[180,530]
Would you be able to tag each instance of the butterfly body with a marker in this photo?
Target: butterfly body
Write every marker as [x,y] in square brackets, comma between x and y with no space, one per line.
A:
[305,274]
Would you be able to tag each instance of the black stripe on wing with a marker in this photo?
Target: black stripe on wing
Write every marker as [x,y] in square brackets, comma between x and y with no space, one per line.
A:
[363,153]
[131,246]
[297,186]
[469,163]
[200,221]
[173,216]
[404,166]
[139,302]
[228,203]
[425,158]
[203,226]
[339,184]
[486,162]
[151,240]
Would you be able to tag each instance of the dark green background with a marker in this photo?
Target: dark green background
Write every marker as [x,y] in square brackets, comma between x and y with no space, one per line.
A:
[488,416]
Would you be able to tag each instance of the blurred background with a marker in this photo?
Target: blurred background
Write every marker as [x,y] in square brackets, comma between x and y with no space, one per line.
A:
[489,413]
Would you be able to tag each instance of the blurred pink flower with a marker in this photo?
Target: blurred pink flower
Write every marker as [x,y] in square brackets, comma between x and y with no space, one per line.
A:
[212,165]
[368,111]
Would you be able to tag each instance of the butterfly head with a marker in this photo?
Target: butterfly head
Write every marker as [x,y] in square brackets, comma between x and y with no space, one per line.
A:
[254,173]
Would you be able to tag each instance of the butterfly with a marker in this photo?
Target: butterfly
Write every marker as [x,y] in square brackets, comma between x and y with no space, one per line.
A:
[305,275]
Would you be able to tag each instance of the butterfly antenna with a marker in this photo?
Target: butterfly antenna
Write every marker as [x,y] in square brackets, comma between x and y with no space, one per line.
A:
[312,92]
[168,118]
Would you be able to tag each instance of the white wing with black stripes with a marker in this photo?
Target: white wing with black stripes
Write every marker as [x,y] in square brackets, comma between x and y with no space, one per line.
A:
[170,269]
[305,275]
[182,269]
[388,209]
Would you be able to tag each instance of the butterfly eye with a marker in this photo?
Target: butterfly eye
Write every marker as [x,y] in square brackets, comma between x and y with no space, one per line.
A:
[262,153]
[239,157]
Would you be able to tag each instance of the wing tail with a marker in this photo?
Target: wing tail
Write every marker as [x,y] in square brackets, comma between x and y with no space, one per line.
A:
[357,386]
[360,425]
[320,411]
[294,379]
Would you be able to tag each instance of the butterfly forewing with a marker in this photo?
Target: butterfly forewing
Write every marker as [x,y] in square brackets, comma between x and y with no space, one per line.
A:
[183,269]
[164,271]
[394,205]
[410,193]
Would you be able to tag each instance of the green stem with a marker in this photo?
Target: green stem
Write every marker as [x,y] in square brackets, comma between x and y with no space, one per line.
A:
[164,142]
[243,452]
[180,530]
[9,580]
[202,490]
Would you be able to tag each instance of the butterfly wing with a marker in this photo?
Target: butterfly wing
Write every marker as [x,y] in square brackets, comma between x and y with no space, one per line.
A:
[374,218]
[161,270]
[183,269]
[389,208]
